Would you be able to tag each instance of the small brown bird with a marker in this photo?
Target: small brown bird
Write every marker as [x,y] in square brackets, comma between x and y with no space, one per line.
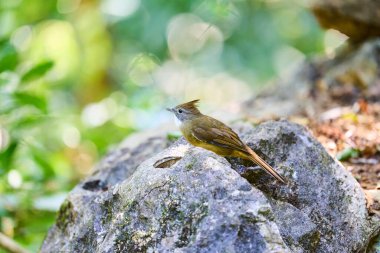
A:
[211,134]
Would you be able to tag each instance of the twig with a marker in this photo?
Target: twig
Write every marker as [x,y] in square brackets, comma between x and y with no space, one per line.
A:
[10,245]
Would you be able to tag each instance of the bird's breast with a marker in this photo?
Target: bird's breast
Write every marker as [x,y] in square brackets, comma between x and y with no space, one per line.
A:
[186,129]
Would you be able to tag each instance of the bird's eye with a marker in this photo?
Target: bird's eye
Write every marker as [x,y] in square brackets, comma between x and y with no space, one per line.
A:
[180,111]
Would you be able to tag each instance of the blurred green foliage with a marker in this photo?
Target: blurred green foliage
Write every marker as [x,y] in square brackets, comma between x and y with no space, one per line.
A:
[77,76]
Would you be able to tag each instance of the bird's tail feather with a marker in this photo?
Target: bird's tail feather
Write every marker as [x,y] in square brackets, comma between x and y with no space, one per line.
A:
[263,164]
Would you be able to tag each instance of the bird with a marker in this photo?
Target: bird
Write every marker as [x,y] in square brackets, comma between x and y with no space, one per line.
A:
[206,132]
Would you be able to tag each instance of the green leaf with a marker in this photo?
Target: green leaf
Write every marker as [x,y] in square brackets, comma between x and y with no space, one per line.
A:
[42,160]
[8,56]
[173,136]
[37,71]
[23,98]
[347,154]
[29,121]
[6,157]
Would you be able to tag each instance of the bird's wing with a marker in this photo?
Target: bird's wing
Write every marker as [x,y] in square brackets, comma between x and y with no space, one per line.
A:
[218,134]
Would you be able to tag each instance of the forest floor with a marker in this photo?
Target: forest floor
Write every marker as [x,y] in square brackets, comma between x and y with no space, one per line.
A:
[352,135]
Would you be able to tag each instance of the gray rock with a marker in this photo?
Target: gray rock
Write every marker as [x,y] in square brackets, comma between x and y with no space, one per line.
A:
[359,20]
[205,203]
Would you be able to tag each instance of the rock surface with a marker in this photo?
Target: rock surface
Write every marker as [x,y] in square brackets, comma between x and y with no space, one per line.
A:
[359,20]
[205,203]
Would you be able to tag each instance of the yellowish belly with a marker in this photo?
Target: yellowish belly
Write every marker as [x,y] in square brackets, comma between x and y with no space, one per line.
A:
[195,142]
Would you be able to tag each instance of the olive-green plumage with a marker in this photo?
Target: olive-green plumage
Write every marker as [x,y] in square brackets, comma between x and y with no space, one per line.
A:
[211,134]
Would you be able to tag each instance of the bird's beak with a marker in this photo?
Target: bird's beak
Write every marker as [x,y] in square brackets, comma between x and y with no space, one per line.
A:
[170,109]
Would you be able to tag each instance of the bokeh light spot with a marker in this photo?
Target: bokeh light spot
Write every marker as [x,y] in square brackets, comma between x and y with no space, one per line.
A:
[140,69]
[120,8]
[56,40]
[187,34]
[21,37]
[332,40]
[71,136]
[14,179]
[96,114]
